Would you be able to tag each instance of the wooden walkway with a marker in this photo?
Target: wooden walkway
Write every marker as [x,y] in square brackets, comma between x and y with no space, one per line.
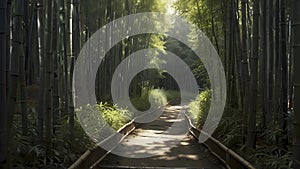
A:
[187,154]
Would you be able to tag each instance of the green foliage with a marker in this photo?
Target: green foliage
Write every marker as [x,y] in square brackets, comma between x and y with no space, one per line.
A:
[268,154]
[114,116]
[204,14]
[270,157]
[141,102]
[155,96]
[95,118]
[173,96]
[190,58]
[230,128]
[158,96]
[200,107]
[30,155]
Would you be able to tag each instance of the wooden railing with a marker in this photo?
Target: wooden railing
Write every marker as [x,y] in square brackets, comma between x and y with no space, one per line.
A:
[231,159]
[92,158]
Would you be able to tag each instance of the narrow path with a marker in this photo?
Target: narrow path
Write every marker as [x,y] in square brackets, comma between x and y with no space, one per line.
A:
[187,154]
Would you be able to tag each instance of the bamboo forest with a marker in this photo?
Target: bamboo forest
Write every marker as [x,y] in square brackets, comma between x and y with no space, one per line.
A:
[208,84]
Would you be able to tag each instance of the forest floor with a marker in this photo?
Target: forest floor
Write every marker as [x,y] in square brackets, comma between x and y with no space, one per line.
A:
[151,139]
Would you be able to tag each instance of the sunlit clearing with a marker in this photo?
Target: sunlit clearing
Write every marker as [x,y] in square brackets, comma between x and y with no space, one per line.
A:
[158,97]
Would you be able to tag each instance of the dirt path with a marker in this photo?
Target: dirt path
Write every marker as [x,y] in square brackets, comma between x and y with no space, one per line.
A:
[149,138]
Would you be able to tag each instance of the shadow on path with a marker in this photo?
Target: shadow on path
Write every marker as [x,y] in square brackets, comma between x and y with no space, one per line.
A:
[187,154]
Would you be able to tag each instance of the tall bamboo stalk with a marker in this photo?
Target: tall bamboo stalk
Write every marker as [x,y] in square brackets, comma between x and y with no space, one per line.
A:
[284,69]
[8,44]
[254,77]
[245,68]
[263,60]
[75,52]
[271,65]
[17,51]
[40,123]
[296,52]
[48,73]
[3,133]
[23,95]
[55,72]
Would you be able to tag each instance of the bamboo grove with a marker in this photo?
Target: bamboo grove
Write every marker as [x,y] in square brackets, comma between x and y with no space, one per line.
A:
[258,42]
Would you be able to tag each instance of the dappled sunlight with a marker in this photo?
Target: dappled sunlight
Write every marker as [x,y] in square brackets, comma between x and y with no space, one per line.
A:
[174,108]
[189,156]
[175,120]
[152,139]
[149,84]
[184,143]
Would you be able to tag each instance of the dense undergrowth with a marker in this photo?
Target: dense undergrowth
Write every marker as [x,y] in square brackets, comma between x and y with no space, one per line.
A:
[29,154]
[268,154]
